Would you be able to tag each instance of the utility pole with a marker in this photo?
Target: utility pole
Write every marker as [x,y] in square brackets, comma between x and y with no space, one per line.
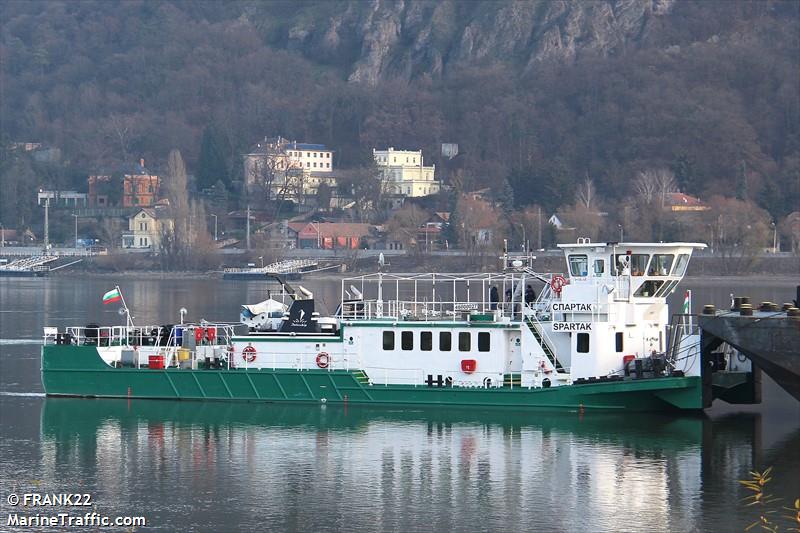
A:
[248,227]
[2,236]
[539,227]
[76,230]
[215,226]
[46,224]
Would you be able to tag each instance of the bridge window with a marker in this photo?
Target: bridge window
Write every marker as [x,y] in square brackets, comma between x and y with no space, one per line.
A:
[582,343]
[599,267]
[464,341]
[667,288]
[681,264]
[426,341]
[660,265]
[445,341]
[578,265]
[483,341]
[636,262]
[407,340]
[619,341]
[388,340]
[648,288]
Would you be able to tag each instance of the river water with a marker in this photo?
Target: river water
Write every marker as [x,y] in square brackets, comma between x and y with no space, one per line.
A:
[206,466]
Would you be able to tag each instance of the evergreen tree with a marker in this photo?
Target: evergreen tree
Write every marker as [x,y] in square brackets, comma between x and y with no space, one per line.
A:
[211,166]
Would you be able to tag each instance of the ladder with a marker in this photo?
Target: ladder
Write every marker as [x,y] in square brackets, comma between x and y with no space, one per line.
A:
[535,327]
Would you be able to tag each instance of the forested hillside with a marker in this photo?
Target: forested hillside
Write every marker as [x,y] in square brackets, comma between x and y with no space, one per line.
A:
[538,95]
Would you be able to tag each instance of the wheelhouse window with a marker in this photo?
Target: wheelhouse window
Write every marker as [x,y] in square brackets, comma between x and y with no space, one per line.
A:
[578,265]
[636,262]
[483,341]
[464,341]
[649,288]
[599,267]
[582,343]
[661,265]
[666,288]
[681,264]
[445,341]
[426,341]
[388,340]
[407,340]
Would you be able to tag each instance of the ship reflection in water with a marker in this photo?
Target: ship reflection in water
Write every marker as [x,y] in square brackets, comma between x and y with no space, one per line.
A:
[239,466]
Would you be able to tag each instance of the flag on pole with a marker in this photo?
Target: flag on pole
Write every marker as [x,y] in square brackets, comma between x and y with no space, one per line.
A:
[687,298]
[112,296]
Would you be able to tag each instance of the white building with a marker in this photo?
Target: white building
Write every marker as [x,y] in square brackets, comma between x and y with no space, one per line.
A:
[405,172]
[290,168]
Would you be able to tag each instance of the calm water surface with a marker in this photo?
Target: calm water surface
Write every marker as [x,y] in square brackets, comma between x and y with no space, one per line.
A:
[195,466]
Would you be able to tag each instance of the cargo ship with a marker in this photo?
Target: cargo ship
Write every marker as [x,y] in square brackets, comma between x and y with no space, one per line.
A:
[597,336]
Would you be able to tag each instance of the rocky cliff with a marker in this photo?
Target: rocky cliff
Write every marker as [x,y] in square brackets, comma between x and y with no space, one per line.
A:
[407,39]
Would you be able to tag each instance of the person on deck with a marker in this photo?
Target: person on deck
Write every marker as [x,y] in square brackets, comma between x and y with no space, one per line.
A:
[494,297]
[530,295]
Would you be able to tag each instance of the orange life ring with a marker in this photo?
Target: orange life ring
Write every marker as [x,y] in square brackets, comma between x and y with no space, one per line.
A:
[323,360]
[249,353]
[557,283]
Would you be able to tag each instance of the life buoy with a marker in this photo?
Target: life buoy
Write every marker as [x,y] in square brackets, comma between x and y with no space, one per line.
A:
[323,360]
[557,283]
[249,353]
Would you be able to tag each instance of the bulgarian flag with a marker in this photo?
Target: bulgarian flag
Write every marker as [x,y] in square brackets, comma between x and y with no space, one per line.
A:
[687,300]
[112,296]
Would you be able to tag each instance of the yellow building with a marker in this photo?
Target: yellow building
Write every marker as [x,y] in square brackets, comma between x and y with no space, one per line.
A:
[145,230]
[405,173]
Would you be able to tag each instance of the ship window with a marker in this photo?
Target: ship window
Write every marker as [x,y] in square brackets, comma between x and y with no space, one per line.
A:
[388,340]
[445,341]
[582,342]
[636,262]
[649,288]
[660,265]
[464,341]
[407,340]
[668,286]
[599,267]
[578,265]
[619,341]
[483,341]
[426,341]
[680,265]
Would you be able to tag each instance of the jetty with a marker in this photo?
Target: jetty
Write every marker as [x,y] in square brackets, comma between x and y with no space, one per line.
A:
[292,269]
[766,334]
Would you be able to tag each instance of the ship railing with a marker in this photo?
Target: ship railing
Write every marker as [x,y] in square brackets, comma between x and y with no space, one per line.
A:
[137,335]
[680,326]
[426,310]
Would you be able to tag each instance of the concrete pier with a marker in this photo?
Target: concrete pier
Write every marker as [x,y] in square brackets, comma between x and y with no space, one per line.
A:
[771,340]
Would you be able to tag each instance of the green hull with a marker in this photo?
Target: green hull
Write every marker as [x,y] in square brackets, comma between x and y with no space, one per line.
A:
[79,371]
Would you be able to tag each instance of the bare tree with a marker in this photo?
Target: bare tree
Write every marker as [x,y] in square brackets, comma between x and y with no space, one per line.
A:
[655,184]
[586,194]
[404,225]
[123,128]
[645,186]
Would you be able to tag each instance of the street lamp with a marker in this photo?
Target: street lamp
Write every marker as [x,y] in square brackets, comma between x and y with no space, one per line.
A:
[215,226]
[774,237]
[621,233]
[76,230]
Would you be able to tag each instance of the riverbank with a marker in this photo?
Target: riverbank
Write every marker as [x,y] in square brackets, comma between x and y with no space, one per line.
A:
[123,265]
